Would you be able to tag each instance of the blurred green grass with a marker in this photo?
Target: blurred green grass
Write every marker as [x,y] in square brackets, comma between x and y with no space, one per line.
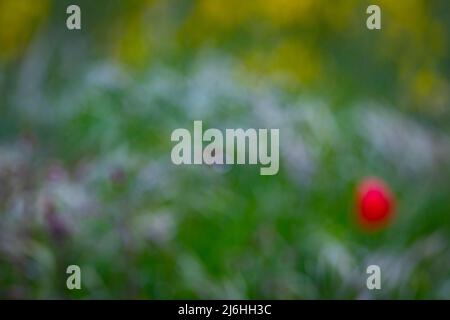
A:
[85,169]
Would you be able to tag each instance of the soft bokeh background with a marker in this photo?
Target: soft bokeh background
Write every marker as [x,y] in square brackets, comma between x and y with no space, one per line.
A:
[85,170]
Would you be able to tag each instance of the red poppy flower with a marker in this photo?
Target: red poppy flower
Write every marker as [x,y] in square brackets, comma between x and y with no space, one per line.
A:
[375,203]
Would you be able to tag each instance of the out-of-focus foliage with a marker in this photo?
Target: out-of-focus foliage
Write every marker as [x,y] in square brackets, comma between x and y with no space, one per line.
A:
[18,20]
[85,170]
